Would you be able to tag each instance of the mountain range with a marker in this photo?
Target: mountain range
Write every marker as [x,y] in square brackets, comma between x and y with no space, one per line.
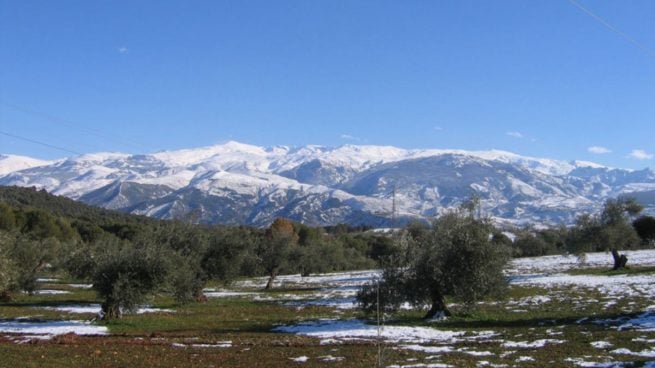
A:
[380,186]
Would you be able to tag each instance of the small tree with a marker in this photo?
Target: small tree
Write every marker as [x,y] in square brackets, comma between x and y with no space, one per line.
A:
[8,271]
[32,256]
[229,251]
[611,230]
[645,227]
[125,274]
[456,257]
[188,280]
[280,238]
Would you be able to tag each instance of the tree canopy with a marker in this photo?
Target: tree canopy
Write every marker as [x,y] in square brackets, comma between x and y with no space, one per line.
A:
[454,257]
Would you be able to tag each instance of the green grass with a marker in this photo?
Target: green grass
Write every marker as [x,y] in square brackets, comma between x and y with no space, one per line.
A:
[148,339]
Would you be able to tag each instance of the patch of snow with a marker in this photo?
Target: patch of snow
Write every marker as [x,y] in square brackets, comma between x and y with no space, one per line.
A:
[643,322]
[358,329]
[219,344]
[580,362]
[224,293]
[330,358]
[534,344]
[51,328]
[429,365]
[601,344]
[96,308]
[300,359]
[644,353]
[51,292]
[42,280]
[563,263]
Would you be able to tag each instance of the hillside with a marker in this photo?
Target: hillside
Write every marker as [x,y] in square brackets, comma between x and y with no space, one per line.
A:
[235,183]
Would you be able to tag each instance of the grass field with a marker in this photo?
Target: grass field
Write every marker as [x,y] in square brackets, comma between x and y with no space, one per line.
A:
[576,316]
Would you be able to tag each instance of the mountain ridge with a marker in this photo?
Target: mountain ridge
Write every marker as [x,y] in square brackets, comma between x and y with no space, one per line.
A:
[240,183]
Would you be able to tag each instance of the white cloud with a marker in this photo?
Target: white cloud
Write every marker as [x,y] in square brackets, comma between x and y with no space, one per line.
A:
[640,154]
[437,128]
[515,134]
[599,150]
[349,137]
[122,50]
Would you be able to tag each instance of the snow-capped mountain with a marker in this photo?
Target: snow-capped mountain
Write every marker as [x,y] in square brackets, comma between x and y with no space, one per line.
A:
[243,184]
[11,163]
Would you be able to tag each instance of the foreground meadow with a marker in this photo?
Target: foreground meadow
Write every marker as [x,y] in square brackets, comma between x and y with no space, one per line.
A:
[561,311]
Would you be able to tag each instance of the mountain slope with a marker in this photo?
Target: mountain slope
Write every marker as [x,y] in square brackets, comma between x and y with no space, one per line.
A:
[243,184]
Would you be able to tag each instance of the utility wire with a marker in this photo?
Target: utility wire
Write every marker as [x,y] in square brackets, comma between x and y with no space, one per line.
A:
[624,35]
[59,121]
[39,142]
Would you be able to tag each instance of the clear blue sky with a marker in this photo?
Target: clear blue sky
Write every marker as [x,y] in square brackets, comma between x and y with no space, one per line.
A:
[540,78]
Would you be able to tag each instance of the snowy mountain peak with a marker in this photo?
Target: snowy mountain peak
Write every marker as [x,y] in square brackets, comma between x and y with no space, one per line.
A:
[11,163]
[238,183]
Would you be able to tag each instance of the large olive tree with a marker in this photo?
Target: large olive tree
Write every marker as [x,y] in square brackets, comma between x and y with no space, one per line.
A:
[125,274]
[454,257]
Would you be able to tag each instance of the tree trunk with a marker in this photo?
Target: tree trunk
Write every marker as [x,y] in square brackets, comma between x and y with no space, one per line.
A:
[199,296]
[110,310]
[620,260]
[5,296]
[438,307]
[269,284]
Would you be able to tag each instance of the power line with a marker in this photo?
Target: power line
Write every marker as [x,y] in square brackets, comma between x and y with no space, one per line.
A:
[624,35]
[59,121]
[39,142]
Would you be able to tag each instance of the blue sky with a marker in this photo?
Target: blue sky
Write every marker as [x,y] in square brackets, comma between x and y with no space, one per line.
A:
[540,78]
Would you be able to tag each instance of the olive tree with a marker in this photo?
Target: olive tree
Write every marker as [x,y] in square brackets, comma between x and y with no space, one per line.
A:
[8,271]
[455,257]
[32,256]
[645,228]
[126,273]
[279,242]
[611,230]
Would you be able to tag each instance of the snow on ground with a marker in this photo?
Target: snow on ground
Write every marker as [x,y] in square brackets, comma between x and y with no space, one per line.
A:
[51,328]
[217,344]
[644,353]
[51,292]
[549,272]
[214,293]
[643,322]
[335,330]
[336,290]
[46,280]
[445,349]
[342,280]
[95,309]
[601,344]
[339,289]
[562,263]
[534,344]
[618,285]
